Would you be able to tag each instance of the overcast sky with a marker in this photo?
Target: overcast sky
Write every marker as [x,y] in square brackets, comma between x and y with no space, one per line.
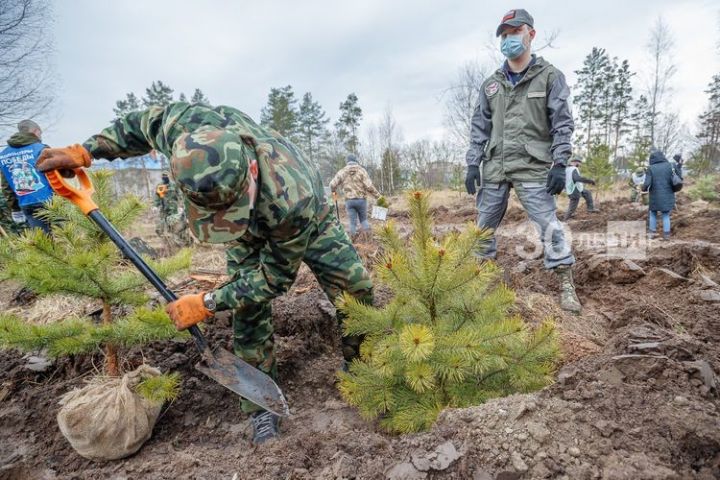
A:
[400,53]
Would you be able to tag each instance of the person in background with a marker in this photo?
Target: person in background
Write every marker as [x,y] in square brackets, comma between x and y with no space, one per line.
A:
[677,164]
[637,179]
[575,188]
[658,181]
[356,185]
[171,224]
[24,188]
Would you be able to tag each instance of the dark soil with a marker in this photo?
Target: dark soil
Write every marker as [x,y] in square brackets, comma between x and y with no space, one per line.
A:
[635,398]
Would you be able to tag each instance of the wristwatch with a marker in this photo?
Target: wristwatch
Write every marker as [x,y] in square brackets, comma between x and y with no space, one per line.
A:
[209,302]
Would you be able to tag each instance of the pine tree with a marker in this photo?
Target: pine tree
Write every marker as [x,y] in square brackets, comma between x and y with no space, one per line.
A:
[280,113]
[701,165]
[591,92]
[640,120]
[709,134]
[705,188]
[182,98]
[158,94]
[123,107]
[348,124]
[312,126]
[621,103]
[446,339]
[607,107]
[598,167]
[199,98]
[79,260]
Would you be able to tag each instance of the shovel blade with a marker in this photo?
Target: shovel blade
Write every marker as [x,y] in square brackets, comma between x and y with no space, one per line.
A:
[244,379]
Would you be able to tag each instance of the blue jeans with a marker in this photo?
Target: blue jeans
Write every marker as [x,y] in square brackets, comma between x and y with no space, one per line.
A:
[357,211]
[32,220]
[652,221]
[492,202]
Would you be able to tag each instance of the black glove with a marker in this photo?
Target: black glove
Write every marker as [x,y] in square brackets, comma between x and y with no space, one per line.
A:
[556,179]
[592,182]
[472,179]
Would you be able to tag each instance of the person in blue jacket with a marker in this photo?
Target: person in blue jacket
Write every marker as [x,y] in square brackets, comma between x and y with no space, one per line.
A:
[658,181]
[25,189]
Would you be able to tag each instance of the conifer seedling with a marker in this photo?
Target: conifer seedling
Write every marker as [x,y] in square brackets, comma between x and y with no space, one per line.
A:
[447,338]
[78,259]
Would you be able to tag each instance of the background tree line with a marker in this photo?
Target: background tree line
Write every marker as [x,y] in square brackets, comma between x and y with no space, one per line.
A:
[620,112]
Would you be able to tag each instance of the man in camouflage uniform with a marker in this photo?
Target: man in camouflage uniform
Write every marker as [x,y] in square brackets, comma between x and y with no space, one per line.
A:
[171,224]
[521,138]
[249,188]
[356,185]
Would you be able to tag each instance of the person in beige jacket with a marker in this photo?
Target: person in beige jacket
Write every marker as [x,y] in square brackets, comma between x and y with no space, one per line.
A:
[356,185]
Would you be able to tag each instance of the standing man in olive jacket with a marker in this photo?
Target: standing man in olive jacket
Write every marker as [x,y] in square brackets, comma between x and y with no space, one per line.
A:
[521,138]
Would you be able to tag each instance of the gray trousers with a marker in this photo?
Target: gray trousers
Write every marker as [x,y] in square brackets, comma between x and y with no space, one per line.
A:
[492,202]
[575,201]
[357,213]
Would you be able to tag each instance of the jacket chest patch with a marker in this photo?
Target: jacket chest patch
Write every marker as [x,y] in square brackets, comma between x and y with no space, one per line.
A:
[491,89]
[536,95]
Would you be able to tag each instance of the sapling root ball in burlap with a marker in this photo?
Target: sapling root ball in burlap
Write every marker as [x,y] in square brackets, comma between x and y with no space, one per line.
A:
[108,419]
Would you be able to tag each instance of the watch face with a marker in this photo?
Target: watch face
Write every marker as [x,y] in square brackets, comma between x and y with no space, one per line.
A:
[209,301]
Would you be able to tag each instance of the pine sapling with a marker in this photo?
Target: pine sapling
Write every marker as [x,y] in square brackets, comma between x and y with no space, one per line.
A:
[78,259]
[447,338]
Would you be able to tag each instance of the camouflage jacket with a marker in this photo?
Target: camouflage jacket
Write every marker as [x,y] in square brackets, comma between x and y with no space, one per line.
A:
[290,202]
[166,199]
[355,182]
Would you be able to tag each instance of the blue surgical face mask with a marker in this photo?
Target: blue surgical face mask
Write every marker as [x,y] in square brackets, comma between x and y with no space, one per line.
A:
[512,46]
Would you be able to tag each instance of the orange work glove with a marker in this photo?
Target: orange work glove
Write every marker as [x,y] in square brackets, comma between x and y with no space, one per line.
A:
[188,310]
[68,158]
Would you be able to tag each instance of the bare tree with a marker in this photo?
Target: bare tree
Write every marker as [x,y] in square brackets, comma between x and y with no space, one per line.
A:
[389,139]
[461,98]
[660,48]
[417,159]
[26,80]
[370,153]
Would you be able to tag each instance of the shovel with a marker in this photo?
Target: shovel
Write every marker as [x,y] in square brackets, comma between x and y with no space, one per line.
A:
[337,209]
[220,365]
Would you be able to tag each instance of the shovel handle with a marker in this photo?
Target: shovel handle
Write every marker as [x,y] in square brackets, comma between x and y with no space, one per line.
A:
[81,196]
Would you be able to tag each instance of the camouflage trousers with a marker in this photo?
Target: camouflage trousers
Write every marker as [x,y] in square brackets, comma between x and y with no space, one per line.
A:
[337,267]
[173,229]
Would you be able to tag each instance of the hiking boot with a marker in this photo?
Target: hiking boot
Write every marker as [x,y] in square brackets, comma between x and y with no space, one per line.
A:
[265,426]
[593,210]
[651,235]
[666,236]
[568,299]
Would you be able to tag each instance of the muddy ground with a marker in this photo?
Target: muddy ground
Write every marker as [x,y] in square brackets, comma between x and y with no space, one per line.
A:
[635,396]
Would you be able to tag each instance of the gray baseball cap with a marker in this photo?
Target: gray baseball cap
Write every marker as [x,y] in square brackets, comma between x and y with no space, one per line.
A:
[515,18]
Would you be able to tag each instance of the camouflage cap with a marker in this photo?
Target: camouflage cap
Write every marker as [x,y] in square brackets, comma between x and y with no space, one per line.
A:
[210,167]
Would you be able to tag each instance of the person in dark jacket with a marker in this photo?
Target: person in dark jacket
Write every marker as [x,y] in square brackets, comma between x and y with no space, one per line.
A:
[24,188]
[575,188]
[658,181]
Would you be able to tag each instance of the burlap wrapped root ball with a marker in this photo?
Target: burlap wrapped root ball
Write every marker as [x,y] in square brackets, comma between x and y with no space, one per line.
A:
[108,419]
